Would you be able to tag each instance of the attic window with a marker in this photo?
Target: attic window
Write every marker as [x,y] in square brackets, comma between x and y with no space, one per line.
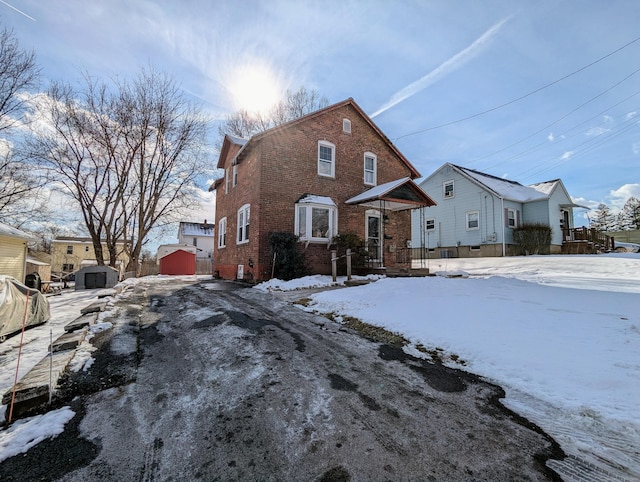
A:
[346,126]
[447,188]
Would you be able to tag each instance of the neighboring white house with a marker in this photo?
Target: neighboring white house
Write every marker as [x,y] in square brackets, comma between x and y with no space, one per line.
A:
[200,235]
[476,213]
[13,252]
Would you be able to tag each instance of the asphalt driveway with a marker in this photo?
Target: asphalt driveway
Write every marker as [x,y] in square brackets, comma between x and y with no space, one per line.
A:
[217,381]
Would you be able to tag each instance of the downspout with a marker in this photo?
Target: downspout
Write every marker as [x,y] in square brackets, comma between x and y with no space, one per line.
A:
[504,247]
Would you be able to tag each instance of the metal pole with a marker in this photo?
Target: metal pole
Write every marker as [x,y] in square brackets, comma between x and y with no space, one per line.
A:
[50,365]
[348,264]
[334,267]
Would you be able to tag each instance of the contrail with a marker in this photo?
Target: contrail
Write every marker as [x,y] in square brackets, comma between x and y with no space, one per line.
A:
[19,11]
[443,69]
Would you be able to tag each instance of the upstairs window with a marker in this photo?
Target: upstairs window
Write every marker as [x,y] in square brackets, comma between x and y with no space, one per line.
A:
[447,188]
[86,249]
[243,225]
[69,249]
[226,180]
[234,182]
[370,169]
[222,233]
[326,159]
[473,220]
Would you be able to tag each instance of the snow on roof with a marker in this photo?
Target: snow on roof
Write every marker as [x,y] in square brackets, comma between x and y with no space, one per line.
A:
[313,199]
[511,189]
[237,140]
[196,229]
[377,191]
[11,231]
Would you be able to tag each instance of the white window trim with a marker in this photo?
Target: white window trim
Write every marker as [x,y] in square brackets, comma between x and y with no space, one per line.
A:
[426,224]
[333,222]
[467,216]
[222,233]
[373,213]
[515,218]
[244,213]
[375,168]
[346,126]
[234,176]
[226,180]
[333,158]
[444,190]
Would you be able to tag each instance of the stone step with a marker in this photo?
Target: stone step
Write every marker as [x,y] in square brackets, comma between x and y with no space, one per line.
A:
[33,389]
[68,341]
[81,322]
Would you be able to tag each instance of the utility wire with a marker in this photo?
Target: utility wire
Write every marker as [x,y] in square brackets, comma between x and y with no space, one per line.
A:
[521,97]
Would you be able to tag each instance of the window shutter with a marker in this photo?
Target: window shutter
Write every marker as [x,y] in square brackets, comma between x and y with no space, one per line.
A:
[506,217]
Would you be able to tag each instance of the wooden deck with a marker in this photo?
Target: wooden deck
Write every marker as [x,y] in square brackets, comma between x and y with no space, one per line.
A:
[586,241]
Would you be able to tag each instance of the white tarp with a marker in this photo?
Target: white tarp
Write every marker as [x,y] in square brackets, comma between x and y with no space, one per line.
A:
[13,302]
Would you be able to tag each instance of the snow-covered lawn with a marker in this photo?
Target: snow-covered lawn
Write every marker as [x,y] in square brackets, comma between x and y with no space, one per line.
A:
[561,335]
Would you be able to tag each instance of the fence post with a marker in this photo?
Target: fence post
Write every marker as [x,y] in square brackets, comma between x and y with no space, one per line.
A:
[334,267]
[348,264]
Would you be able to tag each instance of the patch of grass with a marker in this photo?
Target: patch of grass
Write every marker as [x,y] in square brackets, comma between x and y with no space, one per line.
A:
[303,301]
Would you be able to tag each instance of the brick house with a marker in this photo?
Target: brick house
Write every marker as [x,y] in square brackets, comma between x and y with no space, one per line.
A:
[327,173]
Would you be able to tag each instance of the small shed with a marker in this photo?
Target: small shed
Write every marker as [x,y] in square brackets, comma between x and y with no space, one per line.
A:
[91,277]
[36,266]
[178,262]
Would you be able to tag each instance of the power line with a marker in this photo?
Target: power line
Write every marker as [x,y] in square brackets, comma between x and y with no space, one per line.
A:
[523,96]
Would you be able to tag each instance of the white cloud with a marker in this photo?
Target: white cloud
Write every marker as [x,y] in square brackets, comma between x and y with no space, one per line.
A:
[630,115]
[596,131]
[551,137]
[567,155]
[635,148]
[623,193]
[443,69]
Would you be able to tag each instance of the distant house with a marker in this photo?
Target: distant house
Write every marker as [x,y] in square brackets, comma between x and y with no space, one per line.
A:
[477,212]
[13,252]
[330,172]
[200,235]
[69,254]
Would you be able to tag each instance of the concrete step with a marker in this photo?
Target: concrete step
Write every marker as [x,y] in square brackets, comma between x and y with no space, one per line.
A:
[81,322]
[68,341]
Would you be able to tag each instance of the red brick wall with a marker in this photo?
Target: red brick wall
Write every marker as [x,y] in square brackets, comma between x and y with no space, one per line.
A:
[281,166]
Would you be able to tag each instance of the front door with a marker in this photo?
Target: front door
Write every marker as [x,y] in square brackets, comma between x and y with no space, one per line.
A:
[373,228]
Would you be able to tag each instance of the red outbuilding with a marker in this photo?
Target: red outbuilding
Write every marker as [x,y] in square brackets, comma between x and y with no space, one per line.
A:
[178,262]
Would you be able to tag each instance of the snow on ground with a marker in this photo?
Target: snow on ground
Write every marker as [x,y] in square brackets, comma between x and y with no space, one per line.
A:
[561,335]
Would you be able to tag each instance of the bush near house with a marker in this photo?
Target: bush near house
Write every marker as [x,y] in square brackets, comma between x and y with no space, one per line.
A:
[533,238]
[288,261]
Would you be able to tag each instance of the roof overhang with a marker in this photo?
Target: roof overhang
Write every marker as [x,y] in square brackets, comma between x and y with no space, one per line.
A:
[572,205]
[397,195]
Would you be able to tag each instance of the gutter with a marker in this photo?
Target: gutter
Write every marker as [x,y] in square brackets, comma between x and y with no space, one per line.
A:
[504,248]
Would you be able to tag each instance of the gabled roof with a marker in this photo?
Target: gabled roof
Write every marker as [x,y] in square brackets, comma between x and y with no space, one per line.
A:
[227,143]
[394,196]
[244,143]
[511,190]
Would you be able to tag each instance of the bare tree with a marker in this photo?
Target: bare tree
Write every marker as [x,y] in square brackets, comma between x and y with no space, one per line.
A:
[127,153]
[295,104]
[18,74]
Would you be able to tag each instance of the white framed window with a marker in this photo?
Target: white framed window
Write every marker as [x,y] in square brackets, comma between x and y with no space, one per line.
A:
[370,168]
[316,222]
[69,249]
[234,176]
[447,189]
[226,180]
[222,233]
[511,218]
[243,225]
[473,220]
[326,159]
[429,224]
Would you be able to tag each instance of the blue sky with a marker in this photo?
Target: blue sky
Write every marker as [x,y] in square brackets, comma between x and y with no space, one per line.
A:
[527,90]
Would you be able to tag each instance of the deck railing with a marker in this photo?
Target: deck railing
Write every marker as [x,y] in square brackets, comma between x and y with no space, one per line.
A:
[590,239]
